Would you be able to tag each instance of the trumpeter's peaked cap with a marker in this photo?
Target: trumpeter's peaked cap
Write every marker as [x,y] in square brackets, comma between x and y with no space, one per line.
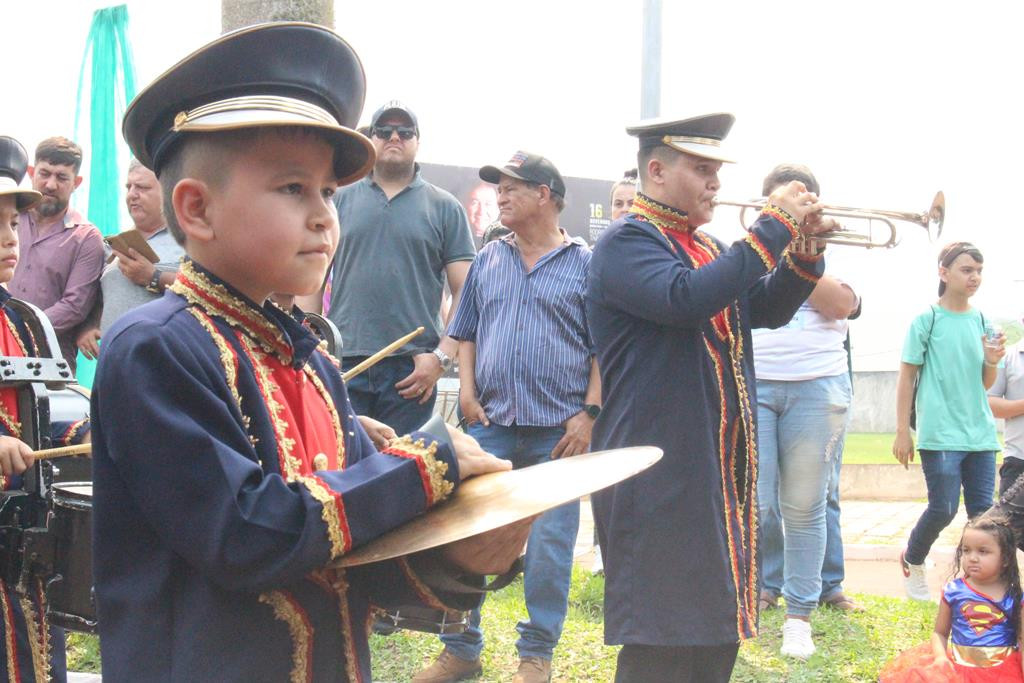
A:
[700,136]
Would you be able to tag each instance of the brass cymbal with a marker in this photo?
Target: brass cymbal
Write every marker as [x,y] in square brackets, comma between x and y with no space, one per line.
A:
[493,500]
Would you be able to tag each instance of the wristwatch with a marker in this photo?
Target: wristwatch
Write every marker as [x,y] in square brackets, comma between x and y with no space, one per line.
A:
[446,360]
[154,283]
[592,410]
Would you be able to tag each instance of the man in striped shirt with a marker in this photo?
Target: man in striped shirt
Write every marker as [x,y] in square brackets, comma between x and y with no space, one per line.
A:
[530,389]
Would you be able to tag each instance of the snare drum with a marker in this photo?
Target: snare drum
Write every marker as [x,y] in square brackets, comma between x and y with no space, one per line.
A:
[70,596]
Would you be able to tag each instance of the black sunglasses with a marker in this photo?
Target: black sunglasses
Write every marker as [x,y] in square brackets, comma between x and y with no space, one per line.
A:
[385,132]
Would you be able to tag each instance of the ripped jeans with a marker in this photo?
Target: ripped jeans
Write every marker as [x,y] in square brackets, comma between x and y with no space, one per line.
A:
[800,432]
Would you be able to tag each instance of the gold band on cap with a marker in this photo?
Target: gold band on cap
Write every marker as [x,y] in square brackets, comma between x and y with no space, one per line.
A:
[263,103]
[680,139]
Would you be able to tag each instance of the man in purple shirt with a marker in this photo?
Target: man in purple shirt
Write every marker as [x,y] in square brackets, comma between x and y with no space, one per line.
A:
[61,253]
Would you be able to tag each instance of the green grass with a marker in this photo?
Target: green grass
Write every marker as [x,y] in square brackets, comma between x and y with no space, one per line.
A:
[851,648]
[868,449]
[876,449]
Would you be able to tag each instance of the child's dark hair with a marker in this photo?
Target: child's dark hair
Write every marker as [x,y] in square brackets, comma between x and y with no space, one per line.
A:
[211,156]
[999,528]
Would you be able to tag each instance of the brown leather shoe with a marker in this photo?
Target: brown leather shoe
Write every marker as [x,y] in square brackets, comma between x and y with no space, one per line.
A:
[842,602]
[448,668]
[533,670]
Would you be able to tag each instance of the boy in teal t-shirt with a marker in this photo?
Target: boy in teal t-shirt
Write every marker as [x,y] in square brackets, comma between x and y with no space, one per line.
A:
[947,350]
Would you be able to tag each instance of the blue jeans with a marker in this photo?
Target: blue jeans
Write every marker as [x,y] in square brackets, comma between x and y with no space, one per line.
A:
[373,394]
[801,427]
[833,567]
[548,566]
[944,474]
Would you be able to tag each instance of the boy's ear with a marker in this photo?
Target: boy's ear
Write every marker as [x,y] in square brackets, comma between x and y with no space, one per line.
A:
[191,199]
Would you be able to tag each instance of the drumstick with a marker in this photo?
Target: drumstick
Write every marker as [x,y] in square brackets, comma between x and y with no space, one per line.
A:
[63,452]
[380,355]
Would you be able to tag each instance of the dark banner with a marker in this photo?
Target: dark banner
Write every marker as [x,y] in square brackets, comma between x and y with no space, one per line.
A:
[586,213]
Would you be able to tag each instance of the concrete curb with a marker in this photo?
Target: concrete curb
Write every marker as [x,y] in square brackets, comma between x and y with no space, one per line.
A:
[891,553]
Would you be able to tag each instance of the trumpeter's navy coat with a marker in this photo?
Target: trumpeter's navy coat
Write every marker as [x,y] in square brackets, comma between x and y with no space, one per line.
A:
[679,540]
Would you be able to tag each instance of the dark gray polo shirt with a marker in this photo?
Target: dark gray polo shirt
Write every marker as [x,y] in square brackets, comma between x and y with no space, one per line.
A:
[388,274]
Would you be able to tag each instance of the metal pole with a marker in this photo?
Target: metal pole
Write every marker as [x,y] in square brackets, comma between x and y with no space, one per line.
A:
[238,13]
[650,61]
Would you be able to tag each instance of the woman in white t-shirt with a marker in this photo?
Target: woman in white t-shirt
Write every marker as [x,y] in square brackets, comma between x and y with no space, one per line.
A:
[803,399]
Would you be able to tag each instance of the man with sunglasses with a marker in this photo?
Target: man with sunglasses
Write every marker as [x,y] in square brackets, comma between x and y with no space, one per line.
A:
[401,239]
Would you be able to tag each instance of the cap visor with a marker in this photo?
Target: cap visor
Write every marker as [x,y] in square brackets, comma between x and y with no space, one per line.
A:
[23,199]
[703,151]
[492,174]
[354,154]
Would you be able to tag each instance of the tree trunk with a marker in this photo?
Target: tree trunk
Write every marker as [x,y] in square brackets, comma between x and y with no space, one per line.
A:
[235,14]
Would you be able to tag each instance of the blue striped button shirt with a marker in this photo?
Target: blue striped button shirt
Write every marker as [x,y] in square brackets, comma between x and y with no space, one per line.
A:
[533,344]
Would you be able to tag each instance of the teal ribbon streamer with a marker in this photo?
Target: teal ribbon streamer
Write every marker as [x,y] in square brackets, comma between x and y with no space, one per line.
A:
[107,90]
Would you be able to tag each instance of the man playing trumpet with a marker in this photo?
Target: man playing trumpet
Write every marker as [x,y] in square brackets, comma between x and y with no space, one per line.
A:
[670,310]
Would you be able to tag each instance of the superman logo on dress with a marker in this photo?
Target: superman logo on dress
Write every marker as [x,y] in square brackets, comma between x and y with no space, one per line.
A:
[981,615]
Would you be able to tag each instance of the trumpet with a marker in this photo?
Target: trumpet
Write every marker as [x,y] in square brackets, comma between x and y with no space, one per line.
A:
[931,220]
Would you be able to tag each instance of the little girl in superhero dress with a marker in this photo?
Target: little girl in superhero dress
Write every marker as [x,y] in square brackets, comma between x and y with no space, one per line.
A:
[977,630]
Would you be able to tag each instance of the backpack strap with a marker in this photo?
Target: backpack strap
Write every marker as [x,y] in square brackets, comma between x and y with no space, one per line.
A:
[929,337]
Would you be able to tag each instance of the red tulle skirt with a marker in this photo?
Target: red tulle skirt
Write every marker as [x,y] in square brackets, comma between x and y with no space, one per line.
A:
[917,665]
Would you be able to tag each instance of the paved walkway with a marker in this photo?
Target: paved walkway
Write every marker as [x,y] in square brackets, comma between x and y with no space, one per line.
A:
[874,533]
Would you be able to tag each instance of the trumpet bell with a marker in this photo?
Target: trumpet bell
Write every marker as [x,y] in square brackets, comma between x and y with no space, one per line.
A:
[936,216]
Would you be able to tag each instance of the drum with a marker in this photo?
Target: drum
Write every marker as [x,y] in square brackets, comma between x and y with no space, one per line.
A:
[70,596]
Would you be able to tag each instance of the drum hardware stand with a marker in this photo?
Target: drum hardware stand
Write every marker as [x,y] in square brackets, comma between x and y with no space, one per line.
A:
[26,543]
[426,620]
[325,329]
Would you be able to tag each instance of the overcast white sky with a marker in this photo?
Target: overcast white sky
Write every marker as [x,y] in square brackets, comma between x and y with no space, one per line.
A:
[886,101]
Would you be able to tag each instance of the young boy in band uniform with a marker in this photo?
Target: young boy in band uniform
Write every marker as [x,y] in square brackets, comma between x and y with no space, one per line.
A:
[28,649]
[239,473]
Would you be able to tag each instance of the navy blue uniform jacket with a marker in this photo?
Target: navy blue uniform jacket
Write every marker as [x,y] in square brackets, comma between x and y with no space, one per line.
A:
[210,551]
[679,540]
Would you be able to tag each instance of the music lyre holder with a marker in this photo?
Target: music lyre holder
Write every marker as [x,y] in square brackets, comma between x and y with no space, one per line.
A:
[25,545]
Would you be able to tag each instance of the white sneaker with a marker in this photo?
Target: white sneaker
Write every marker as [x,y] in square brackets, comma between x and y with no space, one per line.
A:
[796,639]
[915,580]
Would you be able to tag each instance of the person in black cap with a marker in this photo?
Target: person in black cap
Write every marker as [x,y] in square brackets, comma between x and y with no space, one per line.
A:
[403,239]
[529,390]
[671,310]
[243,474]
[30,649]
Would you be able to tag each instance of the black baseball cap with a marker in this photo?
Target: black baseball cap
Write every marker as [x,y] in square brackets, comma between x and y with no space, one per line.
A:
[394,106]
[532,168]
